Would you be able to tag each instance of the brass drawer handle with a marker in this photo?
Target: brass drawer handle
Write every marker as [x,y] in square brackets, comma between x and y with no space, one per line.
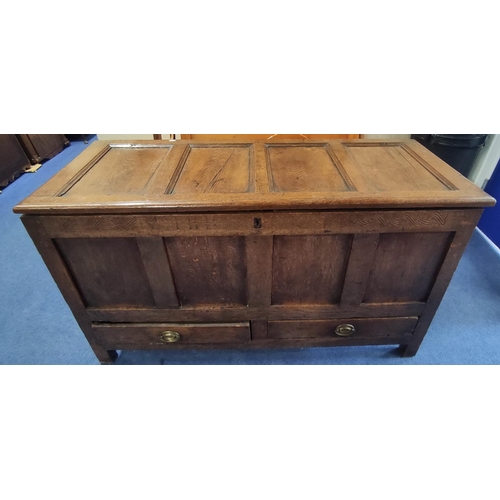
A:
[345,330]
[169,336]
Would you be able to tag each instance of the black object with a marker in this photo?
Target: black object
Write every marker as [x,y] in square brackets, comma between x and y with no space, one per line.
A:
[13,159]
[459,150]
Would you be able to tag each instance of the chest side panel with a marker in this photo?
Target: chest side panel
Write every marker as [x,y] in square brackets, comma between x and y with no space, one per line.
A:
[406,266]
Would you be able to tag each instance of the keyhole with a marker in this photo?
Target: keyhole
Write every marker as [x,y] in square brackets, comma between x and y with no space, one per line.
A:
[257,223]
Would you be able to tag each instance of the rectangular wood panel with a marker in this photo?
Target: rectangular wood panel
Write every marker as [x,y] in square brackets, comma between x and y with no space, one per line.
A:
[209,270]
[406,266]
[107,271]
[213,169]
[123,170]
[309,269]
[296,168]
[386,167]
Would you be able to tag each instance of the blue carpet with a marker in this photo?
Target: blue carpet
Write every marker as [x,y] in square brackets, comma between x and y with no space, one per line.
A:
[37,327]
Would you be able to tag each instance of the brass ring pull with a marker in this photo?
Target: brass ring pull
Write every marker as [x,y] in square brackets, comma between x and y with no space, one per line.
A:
[169,336]
[345,330]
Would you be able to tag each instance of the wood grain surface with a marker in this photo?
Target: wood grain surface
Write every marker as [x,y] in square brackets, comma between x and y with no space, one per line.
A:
[309,269]
[165,176]
[145,335]
[363,328]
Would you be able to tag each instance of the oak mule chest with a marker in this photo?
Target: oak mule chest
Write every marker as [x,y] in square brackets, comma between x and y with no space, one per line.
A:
[174,245]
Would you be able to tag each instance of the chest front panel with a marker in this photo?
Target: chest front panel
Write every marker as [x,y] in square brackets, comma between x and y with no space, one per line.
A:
[323,261]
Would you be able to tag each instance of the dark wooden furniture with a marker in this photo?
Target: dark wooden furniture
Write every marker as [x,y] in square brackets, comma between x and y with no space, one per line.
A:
[39,147]
[12,158]
[172,245]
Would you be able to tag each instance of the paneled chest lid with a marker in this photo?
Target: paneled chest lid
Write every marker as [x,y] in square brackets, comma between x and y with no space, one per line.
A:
[165,176]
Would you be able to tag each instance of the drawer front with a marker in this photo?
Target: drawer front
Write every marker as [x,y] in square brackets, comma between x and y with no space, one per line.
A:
[342,328]
[142,336]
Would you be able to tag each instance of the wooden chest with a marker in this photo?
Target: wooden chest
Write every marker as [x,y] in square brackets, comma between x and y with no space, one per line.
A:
[172,245]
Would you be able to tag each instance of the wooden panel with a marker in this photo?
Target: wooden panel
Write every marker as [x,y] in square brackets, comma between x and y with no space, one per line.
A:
[311,168]
[386,167]
[213,169]
[107,271]
[143,336]
[208,270]
[309,269]
[370,327]
[271,223]
[305,174]
[406,266]
[120,170]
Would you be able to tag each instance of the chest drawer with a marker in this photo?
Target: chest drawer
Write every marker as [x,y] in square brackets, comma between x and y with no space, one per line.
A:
[146,335]
[338,328]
